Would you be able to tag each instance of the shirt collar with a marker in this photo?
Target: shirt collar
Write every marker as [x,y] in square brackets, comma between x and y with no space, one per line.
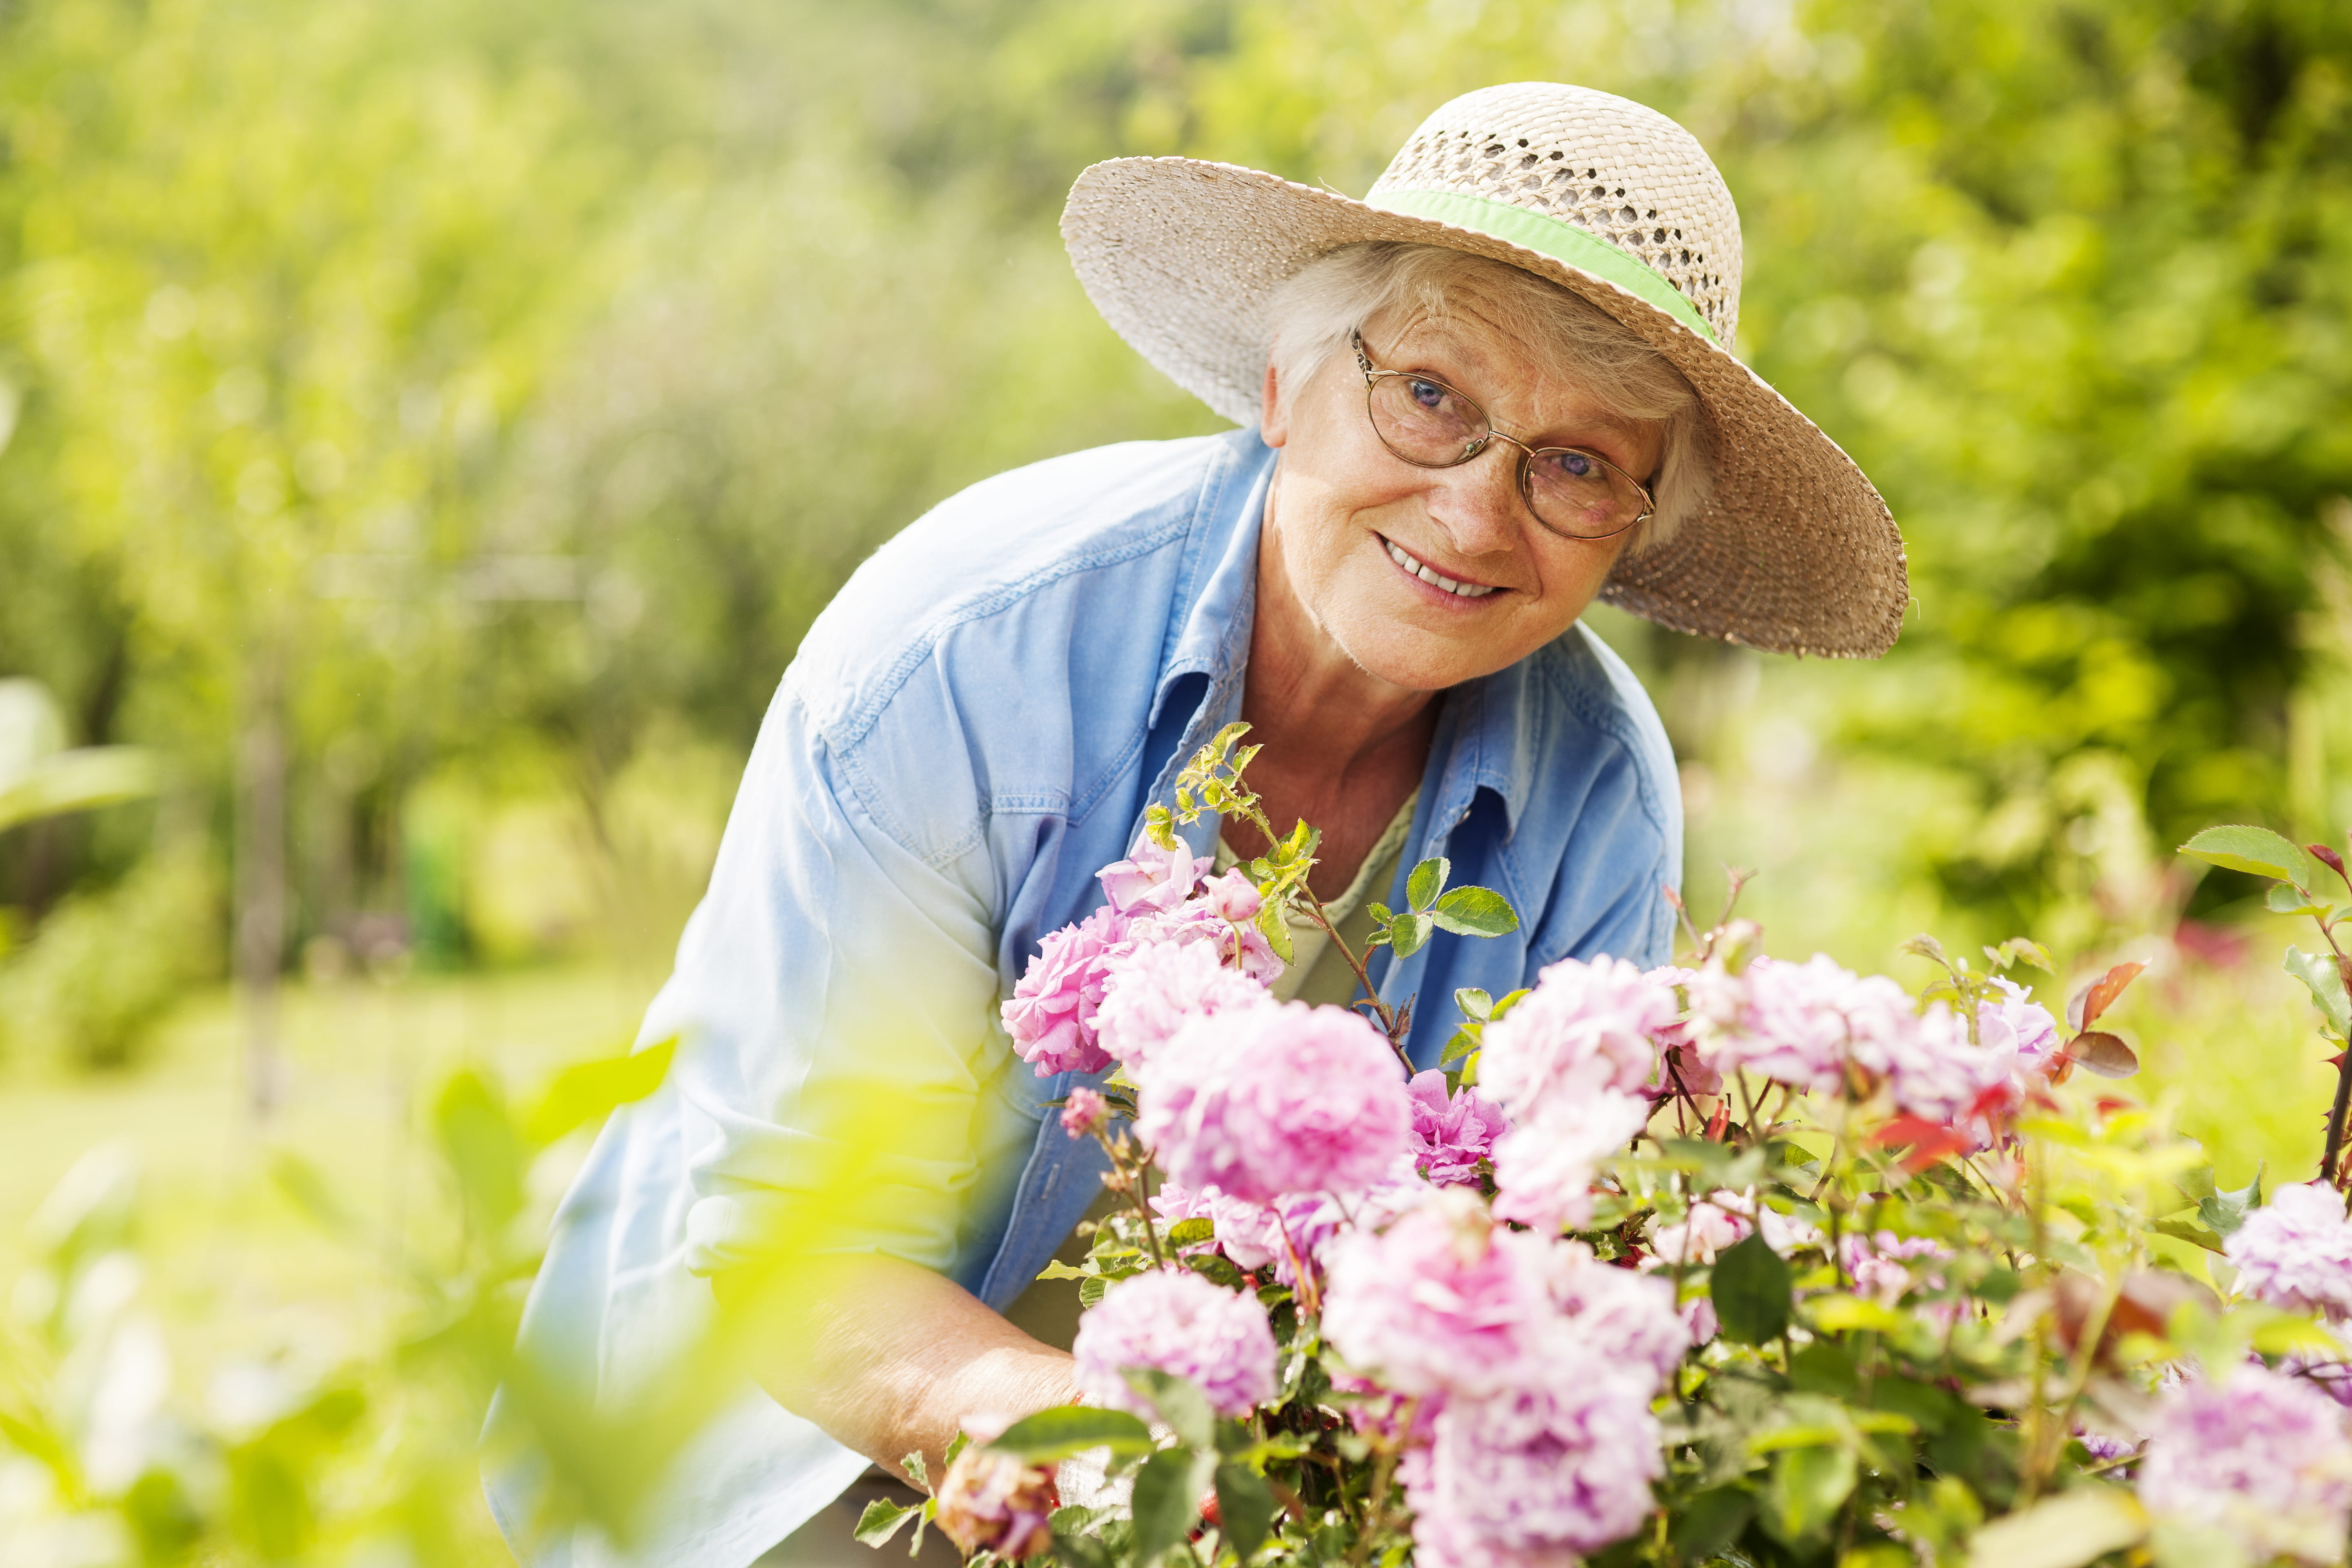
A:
[1485,735]
[1213,636]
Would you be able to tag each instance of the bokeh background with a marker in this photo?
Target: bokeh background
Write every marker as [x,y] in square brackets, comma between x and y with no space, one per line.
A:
[426,429]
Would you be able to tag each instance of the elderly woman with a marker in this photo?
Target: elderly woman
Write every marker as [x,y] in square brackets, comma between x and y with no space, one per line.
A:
[1498,389]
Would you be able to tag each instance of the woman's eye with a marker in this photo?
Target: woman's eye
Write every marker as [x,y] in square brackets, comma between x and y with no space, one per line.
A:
[1428,394]
[1575,465]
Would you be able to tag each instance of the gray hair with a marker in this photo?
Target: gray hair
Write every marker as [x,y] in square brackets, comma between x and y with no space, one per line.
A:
[1314,309]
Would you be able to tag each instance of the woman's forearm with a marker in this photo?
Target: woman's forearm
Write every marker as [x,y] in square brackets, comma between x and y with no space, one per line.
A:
[889,1358]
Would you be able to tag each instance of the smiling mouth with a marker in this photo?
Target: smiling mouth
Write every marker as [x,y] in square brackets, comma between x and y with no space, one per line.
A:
[1432,575]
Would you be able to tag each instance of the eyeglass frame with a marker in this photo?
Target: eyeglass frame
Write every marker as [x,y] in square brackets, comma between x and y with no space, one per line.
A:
[1373,375]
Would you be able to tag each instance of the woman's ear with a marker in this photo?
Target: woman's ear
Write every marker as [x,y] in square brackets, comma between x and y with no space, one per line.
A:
[1274,420]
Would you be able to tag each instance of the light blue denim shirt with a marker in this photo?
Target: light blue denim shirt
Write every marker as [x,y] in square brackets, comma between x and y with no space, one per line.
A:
[971,729]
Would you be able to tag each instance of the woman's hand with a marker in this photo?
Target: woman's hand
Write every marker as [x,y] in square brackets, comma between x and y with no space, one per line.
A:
[888,1358]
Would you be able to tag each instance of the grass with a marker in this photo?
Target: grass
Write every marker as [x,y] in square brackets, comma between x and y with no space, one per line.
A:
[235,1269]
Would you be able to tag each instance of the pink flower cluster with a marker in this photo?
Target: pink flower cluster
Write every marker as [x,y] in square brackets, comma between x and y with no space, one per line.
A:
[1274,1099]
[1056,1014]
[1540,1362]
[2296,1254]
[1818,1026]
[2262,1460]
[1572,1065]
[1175,1321]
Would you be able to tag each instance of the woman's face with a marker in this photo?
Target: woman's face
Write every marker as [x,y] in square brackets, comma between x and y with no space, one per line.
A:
[1346,508]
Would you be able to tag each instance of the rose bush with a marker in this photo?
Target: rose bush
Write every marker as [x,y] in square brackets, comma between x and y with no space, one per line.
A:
[1741,1261]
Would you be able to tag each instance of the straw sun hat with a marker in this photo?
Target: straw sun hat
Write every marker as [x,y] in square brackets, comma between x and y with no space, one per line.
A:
[1794,552]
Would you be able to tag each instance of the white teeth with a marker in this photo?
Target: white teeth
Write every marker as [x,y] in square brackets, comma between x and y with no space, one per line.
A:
[1429,575]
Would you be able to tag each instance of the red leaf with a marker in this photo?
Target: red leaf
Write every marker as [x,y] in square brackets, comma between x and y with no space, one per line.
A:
[2103,1054]
[2108,1104]
[1718,1121]
[1930,1141]
[2332,861]
[2100,994]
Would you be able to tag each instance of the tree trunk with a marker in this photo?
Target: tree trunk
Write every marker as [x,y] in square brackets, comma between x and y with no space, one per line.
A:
[261,885]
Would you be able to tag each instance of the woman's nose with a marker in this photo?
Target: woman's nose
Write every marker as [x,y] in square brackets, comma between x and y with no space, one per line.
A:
[1478,505]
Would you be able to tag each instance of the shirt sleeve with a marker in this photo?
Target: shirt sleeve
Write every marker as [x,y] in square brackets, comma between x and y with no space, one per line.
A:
[839,1063]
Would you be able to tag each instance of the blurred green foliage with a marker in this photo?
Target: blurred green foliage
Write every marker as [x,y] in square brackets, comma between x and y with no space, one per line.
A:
[417,389]
[108,1457]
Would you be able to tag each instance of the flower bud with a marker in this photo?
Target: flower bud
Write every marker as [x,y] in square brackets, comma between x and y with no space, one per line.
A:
[1086,1113]
[1232,897]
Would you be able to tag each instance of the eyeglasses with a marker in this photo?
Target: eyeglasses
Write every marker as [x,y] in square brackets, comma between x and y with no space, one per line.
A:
[1574,493]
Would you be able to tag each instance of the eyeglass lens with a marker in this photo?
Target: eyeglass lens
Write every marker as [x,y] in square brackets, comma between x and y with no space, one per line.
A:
[1428,423]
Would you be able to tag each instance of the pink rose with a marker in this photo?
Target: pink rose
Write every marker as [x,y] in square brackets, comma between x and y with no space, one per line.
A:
[1152,880]
[1450,1136]
[1051,1015]
[1586,1026]
[1545,1167]
[1157,989]
[992,1501]
[1277,1099]
[1444,1300]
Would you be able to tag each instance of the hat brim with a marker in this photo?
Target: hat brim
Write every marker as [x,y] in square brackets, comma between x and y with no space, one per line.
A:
[1795,550]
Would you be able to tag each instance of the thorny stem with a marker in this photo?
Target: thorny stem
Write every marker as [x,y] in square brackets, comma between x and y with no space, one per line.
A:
[1136,1183]
[2328,1172]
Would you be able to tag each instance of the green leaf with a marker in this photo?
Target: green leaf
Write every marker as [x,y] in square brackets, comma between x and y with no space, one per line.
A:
[1180,1403]
[1246,1508]
[2319,975]
[1509,1002]
[1428,879]
[590,1091]
[1751,1289]
[881,1521]
[1463,1043]
[2256,850]
[1192,1232]
[916,1469]
[2021,949]
[1407,933]
[1167,1492]
[2190,1232]
[1711,1520]
[483,1147]
[308,1186]
[1057,1432]
[1275,928]
[1218,1270]
[1808,1487]
[1474,1003]
[2223,1213]
[2286,899]
[1475,912]
[2076,1527]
